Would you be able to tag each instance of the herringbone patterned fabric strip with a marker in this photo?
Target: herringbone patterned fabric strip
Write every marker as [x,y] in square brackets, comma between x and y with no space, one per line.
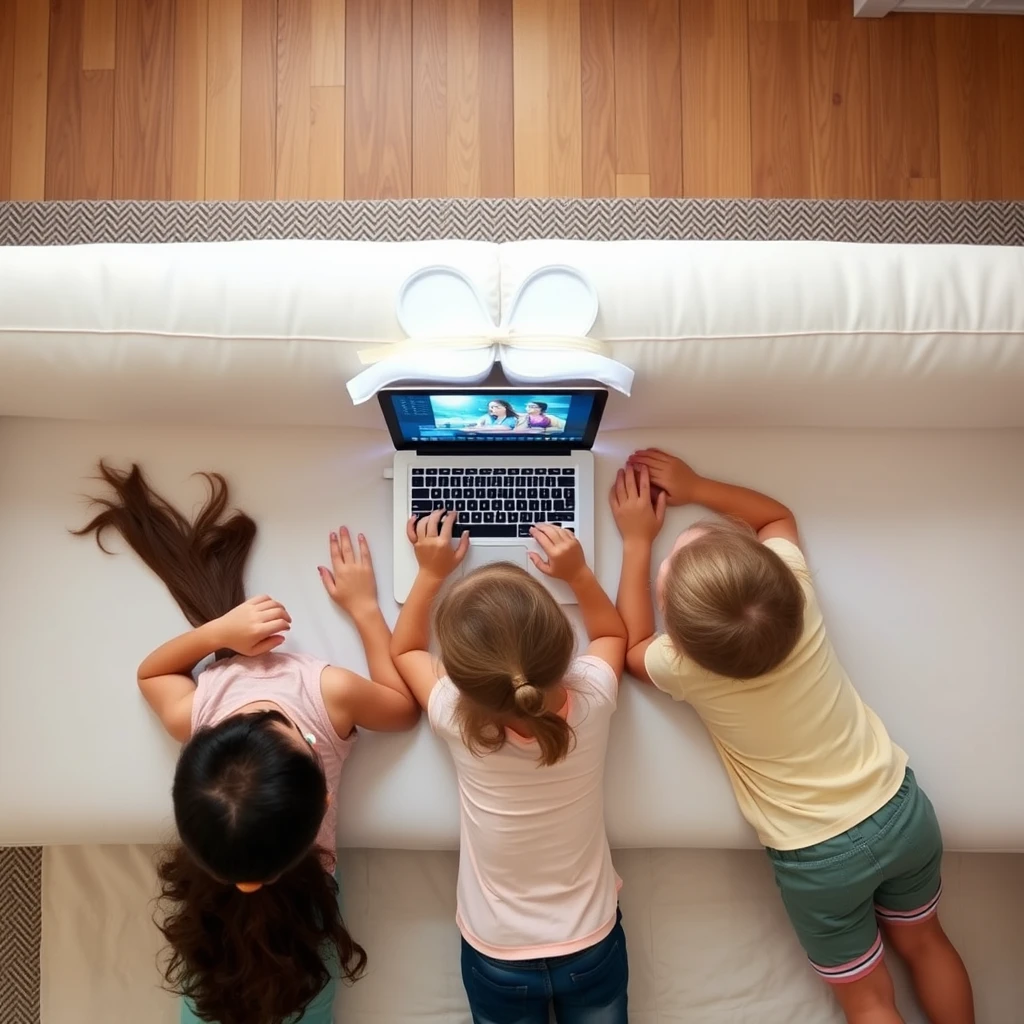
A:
[503,220]
[20,933]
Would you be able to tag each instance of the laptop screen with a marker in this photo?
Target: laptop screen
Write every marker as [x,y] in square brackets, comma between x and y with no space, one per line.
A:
[446,418]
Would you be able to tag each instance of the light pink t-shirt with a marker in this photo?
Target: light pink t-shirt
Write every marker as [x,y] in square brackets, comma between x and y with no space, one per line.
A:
[291,681]
[535,871]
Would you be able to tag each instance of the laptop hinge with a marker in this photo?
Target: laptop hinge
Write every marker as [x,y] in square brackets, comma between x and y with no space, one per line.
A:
[498,451]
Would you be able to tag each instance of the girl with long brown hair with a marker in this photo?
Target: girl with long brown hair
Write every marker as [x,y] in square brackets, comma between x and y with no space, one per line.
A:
[249,899]
[526,721]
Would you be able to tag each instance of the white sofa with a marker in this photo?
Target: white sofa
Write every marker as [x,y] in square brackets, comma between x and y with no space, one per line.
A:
[877,389]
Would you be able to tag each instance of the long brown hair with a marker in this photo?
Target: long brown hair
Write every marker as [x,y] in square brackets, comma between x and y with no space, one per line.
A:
[247,800]
[731,603]
[505,642]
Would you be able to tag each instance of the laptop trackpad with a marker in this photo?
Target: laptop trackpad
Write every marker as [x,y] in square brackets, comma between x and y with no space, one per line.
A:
[487,554]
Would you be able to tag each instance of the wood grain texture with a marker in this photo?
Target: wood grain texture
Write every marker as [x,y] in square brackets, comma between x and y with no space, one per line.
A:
[597,61]
[715,98]
[1011,106]
[327,142]
[429,98]
[188,125]
[904,107]
[99,35]
[496,156]
[840,102]
[224,99]
[328,39]
[258,133]
[463,73]
[28,99]
[64,100]
[632,113]
[378,90]
[531,77]
[294,31]
[565,118]
[97,113]
[7,19]
[779,101]
[142,100]
[632,186]
[970,153]
[664,98]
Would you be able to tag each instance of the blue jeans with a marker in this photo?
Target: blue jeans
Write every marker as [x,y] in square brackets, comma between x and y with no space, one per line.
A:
[588,987]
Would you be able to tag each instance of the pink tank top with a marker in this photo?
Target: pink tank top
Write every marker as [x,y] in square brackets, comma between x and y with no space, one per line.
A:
[291,681]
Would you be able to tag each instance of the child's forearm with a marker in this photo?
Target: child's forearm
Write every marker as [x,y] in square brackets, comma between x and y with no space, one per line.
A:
[754,508]
[634,597]
[376,638]
[181,655]
[600,619]
[412,631]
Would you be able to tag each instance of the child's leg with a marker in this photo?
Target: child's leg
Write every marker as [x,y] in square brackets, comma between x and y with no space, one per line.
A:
[871,1000]
[590,987]
[907,905]
[940,979]
[505,992]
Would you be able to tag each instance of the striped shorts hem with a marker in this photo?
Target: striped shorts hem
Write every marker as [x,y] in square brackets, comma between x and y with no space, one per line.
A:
[898,917]
[855,969]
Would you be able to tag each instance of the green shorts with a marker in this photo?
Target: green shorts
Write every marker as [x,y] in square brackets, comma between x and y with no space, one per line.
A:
[886,868]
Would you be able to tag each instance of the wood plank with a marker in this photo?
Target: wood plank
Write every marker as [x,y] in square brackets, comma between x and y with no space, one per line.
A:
[904,107]
[224,100]
[429,98]
[7,18]
[1011,105]
[496,116]
[96,176]
[664,98]
[840,101]
[28,100]
[970,154]
[462,50]
[143,114]
[394,100]
[63,100]
[597,57]
[188,117]
[530,84]
[328,40]
[779,103]
[715,98]
[258,133]
[632,186]
[378,95]
[99,35]
[293,98]
[565,117]
[632,113]
[327,142]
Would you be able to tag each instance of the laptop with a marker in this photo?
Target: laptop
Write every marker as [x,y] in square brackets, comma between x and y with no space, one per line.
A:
[504,458]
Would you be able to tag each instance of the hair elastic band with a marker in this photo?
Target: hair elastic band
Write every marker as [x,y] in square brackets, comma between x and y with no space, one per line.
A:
[309,738]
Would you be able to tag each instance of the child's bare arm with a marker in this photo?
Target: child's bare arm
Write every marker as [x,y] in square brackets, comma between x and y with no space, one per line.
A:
[682,486]
[383,702]
[639,520]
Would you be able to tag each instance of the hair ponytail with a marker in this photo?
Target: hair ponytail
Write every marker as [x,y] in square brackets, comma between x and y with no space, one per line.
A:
[252,958]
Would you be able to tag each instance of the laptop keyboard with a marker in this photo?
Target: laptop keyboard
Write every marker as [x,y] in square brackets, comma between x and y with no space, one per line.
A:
[503,502]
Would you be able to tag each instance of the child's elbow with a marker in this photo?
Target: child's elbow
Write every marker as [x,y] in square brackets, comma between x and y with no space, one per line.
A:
[411,716]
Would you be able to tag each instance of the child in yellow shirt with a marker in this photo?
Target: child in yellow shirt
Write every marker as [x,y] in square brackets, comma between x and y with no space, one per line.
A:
[853,840]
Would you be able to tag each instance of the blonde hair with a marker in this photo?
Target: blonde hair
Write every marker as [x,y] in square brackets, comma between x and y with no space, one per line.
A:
[505,642]
[731,603]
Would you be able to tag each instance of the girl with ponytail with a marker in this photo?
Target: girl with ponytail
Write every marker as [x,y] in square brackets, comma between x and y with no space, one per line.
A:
[526,721]
[249,899]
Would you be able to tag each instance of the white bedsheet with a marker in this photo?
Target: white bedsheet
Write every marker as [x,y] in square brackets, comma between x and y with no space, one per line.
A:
[708,940]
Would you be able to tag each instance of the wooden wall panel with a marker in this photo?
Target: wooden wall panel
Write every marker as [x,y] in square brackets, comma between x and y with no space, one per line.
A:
[496,132]
[258,132]
[28,99]
[224,99]
[99,35]
[8,12]
[188,126]
[597,59]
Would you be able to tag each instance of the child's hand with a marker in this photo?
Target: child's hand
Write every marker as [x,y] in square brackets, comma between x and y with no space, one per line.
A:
[253,627]
[432,543]
[565,553]
[350,582]
[668,474]
[636,515]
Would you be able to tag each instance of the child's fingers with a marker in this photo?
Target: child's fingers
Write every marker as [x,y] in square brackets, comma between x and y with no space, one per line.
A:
[620,486]
[347,554]
[274,610]
[268,645]
[277,626]
[539,562]
[327,579]
[364,552]
[463,549]
[645,484]
[448,526]
[410,529]
[659,508]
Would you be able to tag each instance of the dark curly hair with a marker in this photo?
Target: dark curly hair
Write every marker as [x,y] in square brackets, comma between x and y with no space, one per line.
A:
[248,799]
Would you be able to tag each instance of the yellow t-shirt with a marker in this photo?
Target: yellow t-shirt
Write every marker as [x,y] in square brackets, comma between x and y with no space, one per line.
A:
[807,758]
